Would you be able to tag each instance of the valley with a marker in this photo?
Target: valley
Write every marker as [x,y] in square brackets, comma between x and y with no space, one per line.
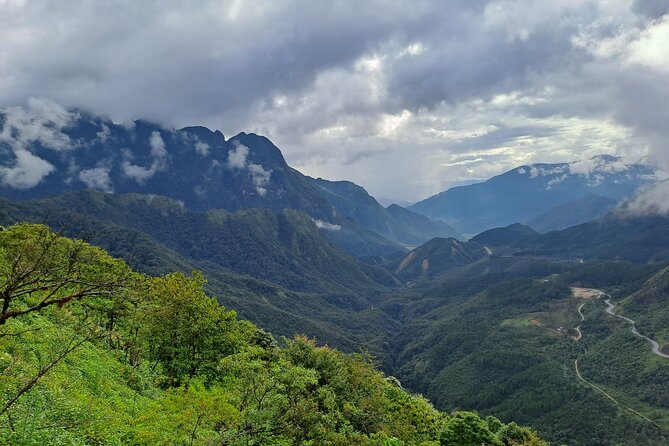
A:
[334,223]
[509,322]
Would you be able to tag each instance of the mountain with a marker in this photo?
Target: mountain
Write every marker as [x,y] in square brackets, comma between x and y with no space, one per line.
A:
[529,191]
[498,336]
[572,213]
[130,359]
[487,324]
[437,256]
[48,150]
[276,270]
[194,165]
[393,223]
[385,202]
[616,236]
[285,248]
[505,237]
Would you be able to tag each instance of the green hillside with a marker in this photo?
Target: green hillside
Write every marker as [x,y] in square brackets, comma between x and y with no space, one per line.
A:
[499,336]
[278,271]
[93,353]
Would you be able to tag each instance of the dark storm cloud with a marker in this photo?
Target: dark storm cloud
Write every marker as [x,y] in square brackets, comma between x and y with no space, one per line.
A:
[362,90]
[179,61]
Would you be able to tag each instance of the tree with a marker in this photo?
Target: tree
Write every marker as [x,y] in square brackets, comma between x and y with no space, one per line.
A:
[186,330]
[40,268]
[468,429]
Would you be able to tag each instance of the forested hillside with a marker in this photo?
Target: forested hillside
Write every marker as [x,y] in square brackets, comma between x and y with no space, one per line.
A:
[94,353]
[485,324]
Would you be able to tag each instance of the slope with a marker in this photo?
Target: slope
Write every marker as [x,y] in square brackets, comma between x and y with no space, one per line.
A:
[526,192]
[498,336]
[193,165]
[582,210]
[275,270]
[157,361]
[394,223]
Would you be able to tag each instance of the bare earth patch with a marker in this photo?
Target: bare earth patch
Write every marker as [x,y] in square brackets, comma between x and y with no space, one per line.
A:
[585,293]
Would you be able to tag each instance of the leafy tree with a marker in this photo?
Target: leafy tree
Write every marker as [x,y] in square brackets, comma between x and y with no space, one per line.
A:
[467,429]
[187,331]
[40,268]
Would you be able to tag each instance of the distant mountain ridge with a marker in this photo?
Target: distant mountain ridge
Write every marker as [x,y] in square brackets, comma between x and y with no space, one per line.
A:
[395,223]
[46,150]
[526,192]
[572,213]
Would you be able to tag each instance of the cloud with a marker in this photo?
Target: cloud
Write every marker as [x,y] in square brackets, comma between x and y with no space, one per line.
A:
[27,171]
[97,178]
[653,200]
[260,177]
[651,8]
[237,156]
[202,148]
[41,123]
[104,134]
[347,93]
[320,224]
[158,161]
[599,165]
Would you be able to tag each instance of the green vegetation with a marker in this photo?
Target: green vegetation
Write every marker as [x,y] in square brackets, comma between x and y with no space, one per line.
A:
[278,271]
[483,333]
[93,353]
[497,337]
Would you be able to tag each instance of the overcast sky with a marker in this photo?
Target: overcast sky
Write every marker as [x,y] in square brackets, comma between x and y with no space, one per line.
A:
[406,98]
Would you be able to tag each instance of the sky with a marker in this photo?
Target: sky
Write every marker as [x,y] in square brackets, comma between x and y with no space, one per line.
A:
[404,98]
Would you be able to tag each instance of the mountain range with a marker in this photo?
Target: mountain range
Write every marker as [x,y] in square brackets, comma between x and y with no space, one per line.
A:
[539,193]
[58,151]
[487,323]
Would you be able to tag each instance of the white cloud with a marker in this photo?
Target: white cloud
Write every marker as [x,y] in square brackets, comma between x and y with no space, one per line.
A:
[598,165]
[158,161]
[97,178]
[260,177]
[651,48]
[104,134]
[202,148]
[237,156]
[320,224]
[653,200]
[41,122]
[28,170]
[157,146]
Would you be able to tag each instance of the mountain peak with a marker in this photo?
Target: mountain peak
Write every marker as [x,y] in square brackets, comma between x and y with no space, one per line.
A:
[528,191]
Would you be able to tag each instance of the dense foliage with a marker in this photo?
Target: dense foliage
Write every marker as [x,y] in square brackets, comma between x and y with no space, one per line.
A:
[499,337]
[156,361]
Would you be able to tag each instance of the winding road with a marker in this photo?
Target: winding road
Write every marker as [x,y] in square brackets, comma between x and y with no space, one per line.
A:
[656,346]
[578,329]
[656,350]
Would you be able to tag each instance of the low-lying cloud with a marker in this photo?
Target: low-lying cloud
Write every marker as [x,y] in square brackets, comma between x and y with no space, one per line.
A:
[158,161]
[320,224]
[260,177]
[653,200]
[40,123]
[97,178]
[28,170]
